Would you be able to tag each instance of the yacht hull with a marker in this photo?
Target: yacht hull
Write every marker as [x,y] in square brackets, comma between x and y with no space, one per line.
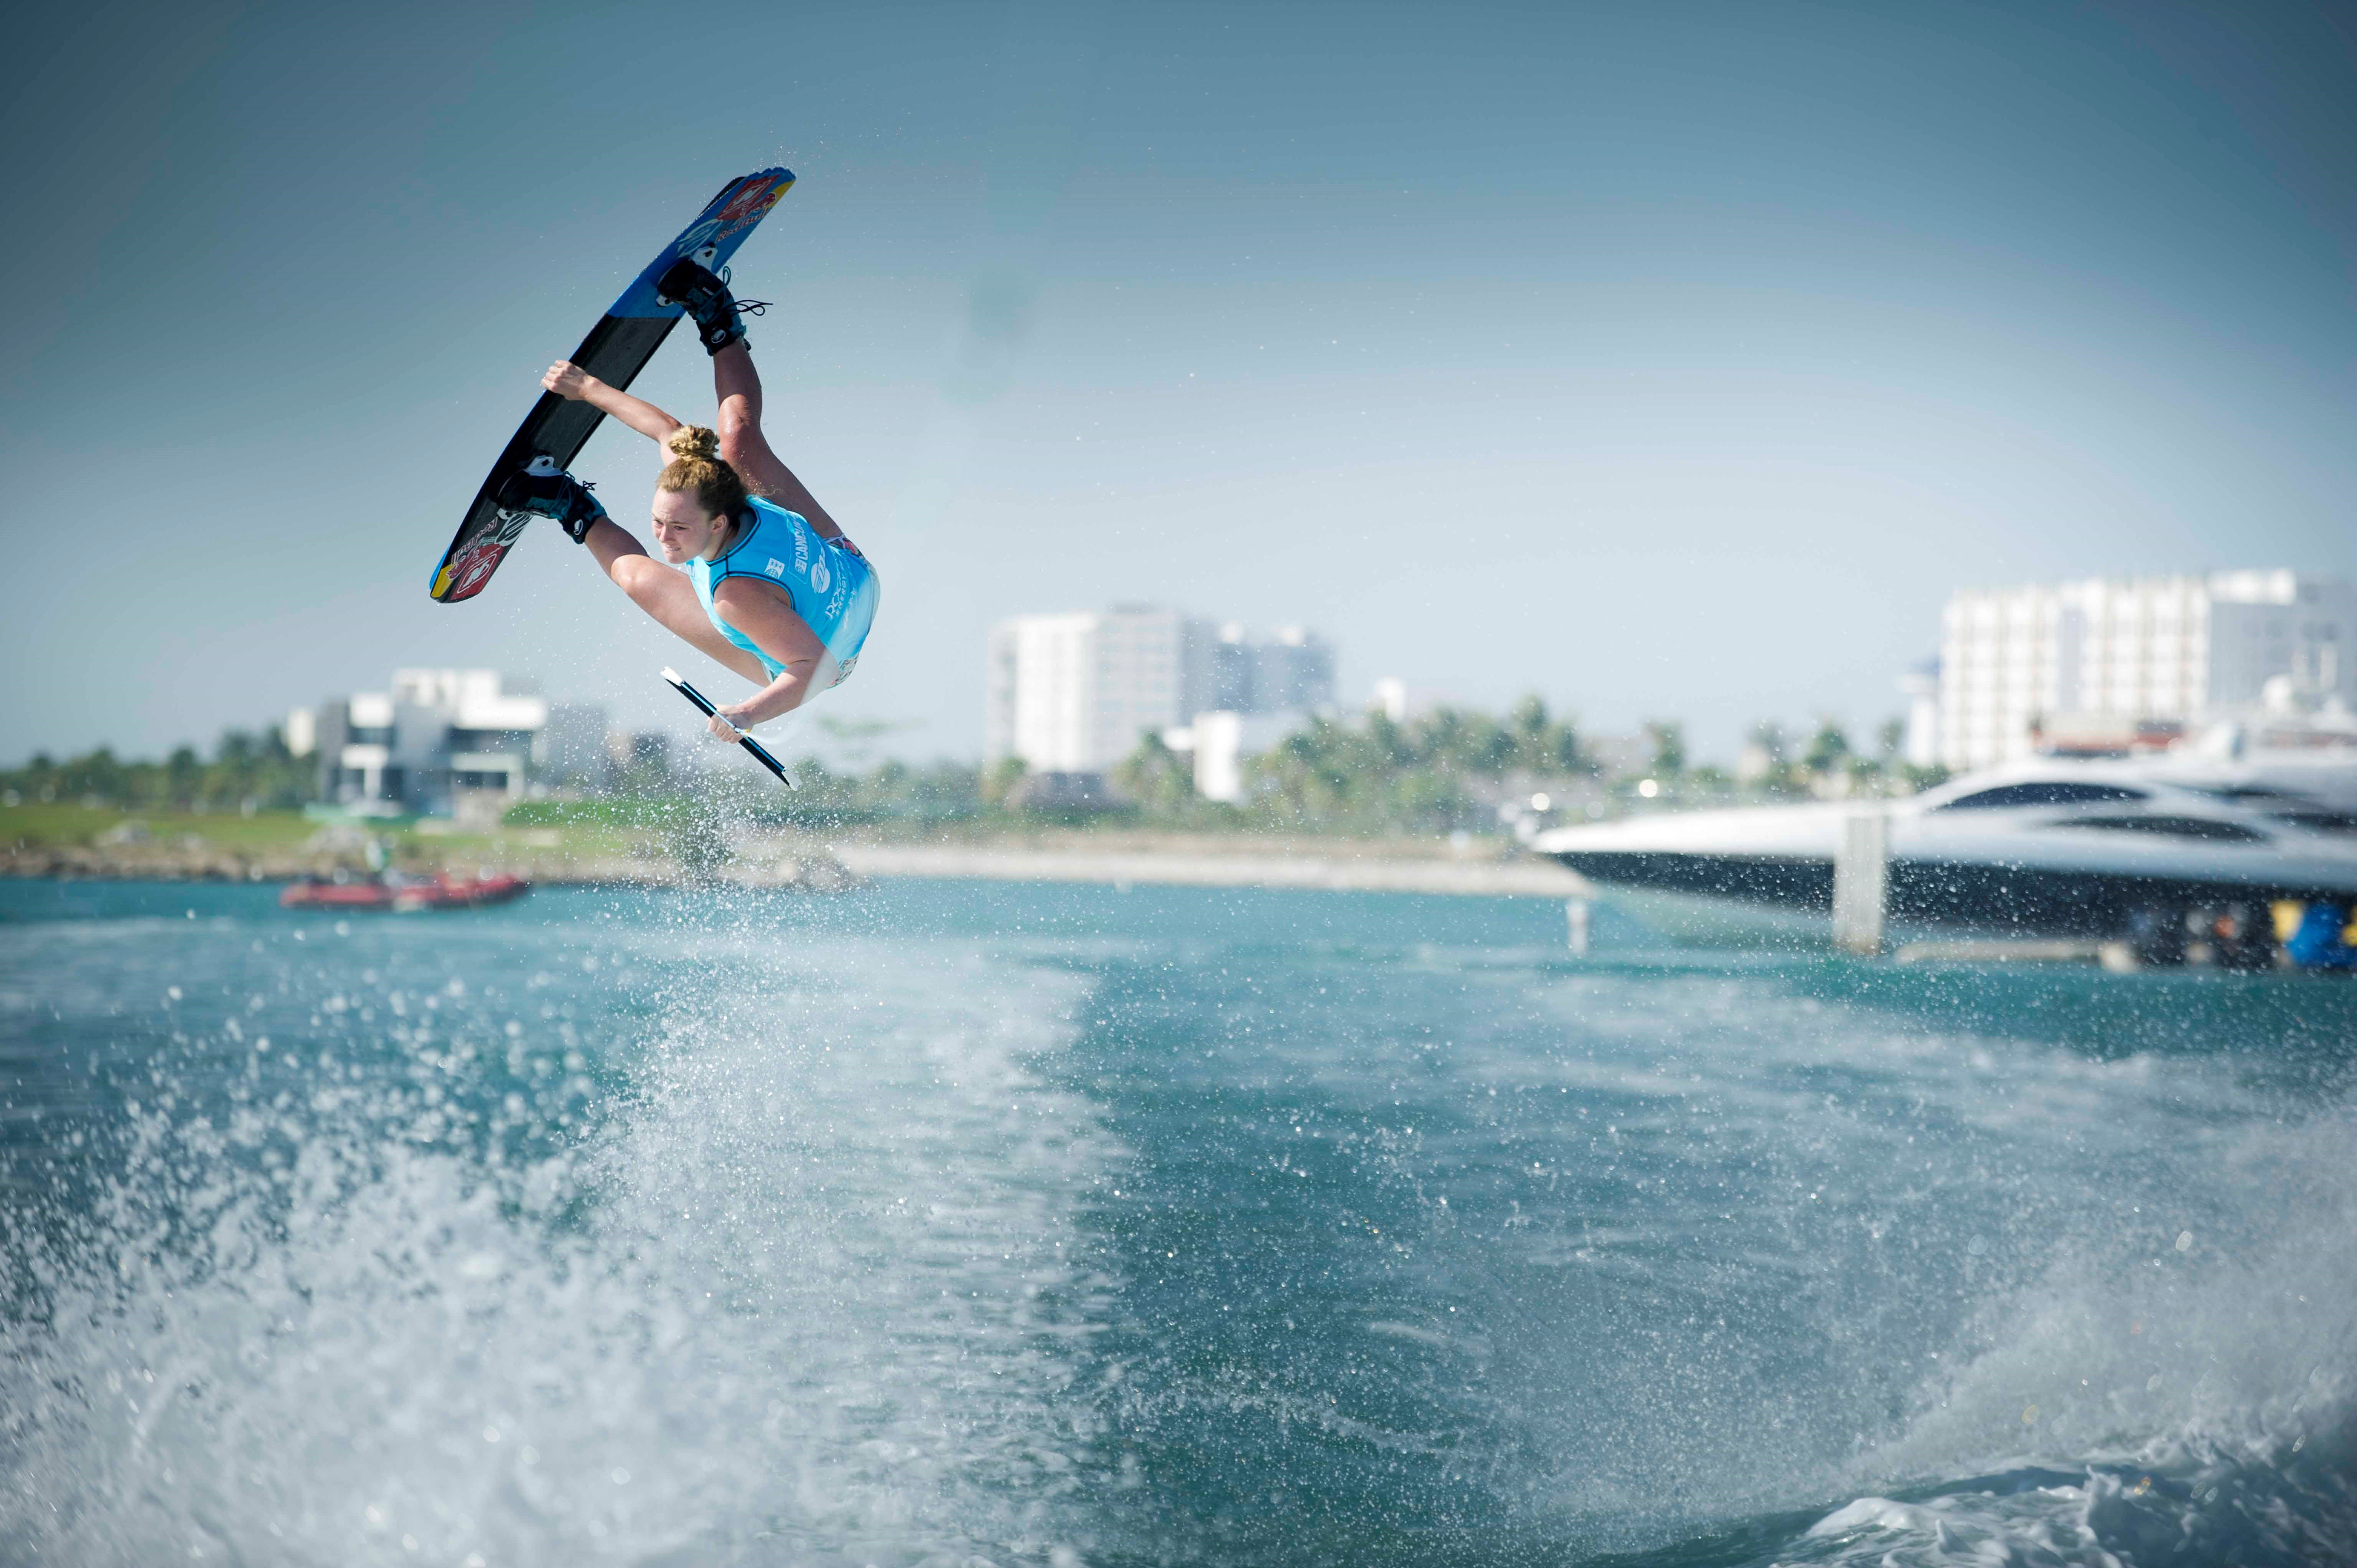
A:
[1688,893]
[2032,851]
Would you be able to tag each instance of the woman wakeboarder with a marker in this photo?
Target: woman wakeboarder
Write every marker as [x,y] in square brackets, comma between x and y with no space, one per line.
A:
[773,588]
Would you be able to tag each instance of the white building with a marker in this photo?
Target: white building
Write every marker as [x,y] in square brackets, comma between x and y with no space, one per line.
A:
[2150,655]
[1921,687]
[1073,692]
[1219,741]
[440,740]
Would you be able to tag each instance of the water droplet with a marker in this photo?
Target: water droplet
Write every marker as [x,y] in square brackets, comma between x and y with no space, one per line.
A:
[2185,1240]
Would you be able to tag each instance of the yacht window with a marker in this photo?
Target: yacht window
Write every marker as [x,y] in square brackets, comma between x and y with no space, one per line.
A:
[2044,793]
[2209,828]
[2242,792]
[2318,821]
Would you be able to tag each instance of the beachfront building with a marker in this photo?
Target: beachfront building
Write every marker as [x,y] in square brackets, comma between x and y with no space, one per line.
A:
[438,743]
[2113,664]
[1073,692]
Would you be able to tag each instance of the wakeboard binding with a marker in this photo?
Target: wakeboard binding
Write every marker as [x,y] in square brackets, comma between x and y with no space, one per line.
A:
[546,490]
[719,318]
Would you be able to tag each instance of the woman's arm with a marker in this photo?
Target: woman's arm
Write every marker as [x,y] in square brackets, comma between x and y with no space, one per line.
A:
[764,614]
[574,384]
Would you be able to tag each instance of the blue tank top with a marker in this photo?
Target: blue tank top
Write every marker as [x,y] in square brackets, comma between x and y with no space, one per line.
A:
[830,583]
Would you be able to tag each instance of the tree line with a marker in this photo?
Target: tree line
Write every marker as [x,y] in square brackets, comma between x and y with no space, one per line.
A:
[1432,772]
[1448,768]
[247,772]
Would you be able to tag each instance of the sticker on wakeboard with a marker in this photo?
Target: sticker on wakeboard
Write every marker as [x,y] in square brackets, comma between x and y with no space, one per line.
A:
[617,349]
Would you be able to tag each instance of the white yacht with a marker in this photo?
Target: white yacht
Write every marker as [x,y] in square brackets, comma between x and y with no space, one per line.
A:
[2042,848]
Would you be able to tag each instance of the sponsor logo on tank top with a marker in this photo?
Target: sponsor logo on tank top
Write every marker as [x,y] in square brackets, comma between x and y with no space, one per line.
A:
[777,568]
[819,576]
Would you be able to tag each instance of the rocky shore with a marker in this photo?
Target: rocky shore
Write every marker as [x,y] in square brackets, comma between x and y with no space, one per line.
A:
[1338,867]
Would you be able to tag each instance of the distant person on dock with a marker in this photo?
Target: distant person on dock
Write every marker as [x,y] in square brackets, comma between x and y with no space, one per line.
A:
[773,589]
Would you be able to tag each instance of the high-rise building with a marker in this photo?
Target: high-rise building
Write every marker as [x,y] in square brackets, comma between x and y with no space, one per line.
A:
[1293,671]
[2150,652]
[1073,692]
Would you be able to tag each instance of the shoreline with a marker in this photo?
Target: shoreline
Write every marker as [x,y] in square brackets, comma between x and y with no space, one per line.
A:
[803,862]
[1199,868]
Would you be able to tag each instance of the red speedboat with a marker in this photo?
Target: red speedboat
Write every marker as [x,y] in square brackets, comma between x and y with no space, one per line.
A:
[403,895]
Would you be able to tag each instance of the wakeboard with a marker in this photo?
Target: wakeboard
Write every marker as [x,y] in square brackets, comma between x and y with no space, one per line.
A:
[616,350]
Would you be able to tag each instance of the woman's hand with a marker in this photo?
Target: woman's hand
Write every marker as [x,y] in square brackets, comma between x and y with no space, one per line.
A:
[723,725]
[568,381]
[571,383]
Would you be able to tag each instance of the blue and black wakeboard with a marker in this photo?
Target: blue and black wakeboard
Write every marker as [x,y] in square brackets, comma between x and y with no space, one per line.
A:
[616,350]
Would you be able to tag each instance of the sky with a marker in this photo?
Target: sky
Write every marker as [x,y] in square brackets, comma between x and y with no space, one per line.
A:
[1671,361]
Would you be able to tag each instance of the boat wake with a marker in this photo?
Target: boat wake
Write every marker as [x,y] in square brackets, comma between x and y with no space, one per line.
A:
[594,1230]
[2188,1403]
[794,1293]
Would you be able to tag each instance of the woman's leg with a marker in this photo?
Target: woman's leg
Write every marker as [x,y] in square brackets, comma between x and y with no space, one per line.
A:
[665,594]
[743,446]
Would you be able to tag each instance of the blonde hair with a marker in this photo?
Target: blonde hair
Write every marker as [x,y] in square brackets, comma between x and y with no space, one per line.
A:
[695,469]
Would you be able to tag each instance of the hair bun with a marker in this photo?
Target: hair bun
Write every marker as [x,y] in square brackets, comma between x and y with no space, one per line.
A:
[697,466]
[693,442]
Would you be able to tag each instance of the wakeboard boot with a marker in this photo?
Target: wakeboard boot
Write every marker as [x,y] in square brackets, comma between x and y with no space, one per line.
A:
[719,318]
[546,490]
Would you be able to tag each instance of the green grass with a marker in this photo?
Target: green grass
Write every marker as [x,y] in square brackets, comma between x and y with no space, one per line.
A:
[584,830]
[38,826]
[654,813]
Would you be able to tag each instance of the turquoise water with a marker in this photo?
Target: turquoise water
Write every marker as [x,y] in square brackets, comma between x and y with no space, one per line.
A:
[960,1223]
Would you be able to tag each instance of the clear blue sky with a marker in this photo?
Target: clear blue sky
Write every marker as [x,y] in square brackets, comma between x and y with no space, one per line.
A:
[1672,360]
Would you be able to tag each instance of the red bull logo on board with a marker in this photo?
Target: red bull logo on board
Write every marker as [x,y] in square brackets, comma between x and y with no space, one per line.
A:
[751,203]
